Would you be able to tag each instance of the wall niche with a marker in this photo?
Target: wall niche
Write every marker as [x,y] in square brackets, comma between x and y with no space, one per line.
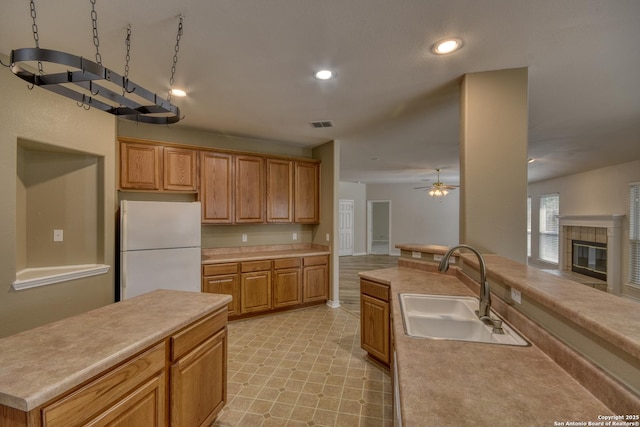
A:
[59,215]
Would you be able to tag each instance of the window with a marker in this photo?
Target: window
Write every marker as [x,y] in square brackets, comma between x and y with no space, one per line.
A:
[634,234]
[529,226]
[549,228]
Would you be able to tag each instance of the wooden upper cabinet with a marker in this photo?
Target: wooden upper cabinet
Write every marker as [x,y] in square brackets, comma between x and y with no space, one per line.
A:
[307,193]
[279,190]
[216,187]
[140,166]
[157,168]
[180,169]
[250,189]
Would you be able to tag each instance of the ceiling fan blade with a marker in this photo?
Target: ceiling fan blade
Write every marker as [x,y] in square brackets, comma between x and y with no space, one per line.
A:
[421,188]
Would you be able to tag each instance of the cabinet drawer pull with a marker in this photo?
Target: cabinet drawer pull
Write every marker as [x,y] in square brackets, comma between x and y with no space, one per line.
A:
[221,281]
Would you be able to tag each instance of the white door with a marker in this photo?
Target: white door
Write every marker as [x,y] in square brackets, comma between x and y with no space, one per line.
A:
[345,231]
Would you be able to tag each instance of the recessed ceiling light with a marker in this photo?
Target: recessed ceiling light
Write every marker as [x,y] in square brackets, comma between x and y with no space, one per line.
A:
[324,74]
[178,92]
[445,46]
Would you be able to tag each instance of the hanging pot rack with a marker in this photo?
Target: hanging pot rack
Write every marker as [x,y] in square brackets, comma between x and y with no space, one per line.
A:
[88,77]
[87,84]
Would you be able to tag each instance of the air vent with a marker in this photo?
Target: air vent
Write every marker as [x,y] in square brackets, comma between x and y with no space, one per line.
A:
[322,124]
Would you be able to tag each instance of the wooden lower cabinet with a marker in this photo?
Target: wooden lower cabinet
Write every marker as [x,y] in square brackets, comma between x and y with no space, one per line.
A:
[133,391]
[287,289]
[255,290]
[198,383]
[375,320]
[269,284]
[315,278]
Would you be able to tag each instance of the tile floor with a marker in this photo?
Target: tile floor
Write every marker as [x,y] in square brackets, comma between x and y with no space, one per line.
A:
[303,368]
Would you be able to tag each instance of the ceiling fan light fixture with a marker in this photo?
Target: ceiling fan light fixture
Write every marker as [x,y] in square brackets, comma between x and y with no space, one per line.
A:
[447,45]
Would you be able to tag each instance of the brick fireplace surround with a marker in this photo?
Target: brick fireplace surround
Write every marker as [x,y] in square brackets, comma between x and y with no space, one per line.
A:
[594,228]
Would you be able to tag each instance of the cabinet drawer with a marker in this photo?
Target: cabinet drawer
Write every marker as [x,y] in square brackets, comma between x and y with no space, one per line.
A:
[215,269]
[250,266]
[286,263]
[316,260]
[190,337]
[82,405]
[376,290]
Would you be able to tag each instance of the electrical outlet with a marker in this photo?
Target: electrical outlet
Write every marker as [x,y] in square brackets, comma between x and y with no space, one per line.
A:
[437,257]
[244,237]
[416,254]
[58,235]
[327,237]
[516,296]
[295,236]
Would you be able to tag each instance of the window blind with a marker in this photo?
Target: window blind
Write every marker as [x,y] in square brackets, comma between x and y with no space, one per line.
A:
[634,233]
[549,227]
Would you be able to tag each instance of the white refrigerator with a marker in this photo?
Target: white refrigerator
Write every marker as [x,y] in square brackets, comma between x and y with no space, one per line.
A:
[159,247]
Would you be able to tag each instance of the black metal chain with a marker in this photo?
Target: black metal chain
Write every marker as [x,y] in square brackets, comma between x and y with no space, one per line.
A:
[94,22]
[36,36]
[127,58]
[175,57]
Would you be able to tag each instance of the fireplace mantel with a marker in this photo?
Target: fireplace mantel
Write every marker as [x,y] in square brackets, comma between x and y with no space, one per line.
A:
[613,224]
[603,221]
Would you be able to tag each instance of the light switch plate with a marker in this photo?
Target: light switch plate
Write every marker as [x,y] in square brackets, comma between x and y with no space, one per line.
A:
[295,236]
[58,235]
[244,237]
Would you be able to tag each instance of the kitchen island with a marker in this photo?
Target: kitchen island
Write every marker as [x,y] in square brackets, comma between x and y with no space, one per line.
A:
[142,360]
[445,382]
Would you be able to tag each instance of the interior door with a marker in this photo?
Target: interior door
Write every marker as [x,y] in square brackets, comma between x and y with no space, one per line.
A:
[345,232]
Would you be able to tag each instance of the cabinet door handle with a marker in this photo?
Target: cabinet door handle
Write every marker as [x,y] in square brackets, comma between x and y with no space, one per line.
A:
[221,281]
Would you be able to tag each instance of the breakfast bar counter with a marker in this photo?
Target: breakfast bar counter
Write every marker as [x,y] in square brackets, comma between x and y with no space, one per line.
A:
[456,383]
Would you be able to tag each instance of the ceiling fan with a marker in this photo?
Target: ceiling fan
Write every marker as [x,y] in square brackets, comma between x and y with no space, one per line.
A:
[438,189]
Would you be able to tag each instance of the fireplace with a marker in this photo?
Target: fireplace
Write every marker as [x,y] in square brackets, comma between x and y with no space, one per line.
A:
[606,232]
[589,258]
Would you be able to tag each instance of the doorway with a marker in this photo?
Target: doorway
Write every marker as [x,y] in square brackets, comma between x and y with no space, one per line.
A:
[345,230]
[378,226]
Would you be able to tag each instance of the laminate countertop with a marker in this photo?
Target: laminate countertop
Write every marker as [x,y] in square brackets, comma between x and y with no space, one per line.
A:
[454,383]
[42,363]
[256,253]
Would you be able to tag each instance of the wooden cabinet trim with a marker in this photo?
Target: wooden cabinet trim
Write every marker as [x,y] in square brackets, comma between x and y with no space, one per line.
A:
[185,340]
[316,260]
[96,396]
[249,266]
[216,269]
[375,290]
[286,263]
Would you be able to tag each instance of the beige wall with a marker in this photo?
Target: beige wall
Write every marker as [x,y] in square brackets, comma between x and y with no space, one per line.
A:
[329,155]
[493,162]
[416,217]
[603,191]
[43,117]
